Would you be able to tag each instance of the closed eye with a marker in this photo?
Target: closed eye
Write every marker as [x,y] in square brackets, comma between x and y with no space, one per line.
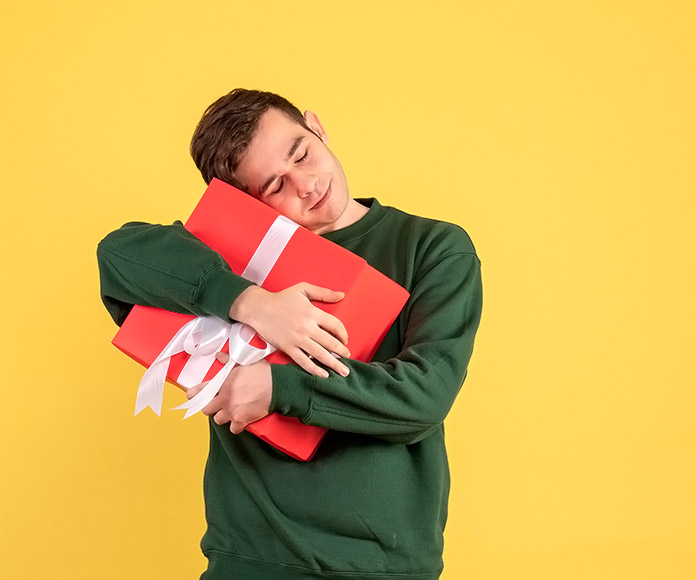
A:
[280,186]
[281,180]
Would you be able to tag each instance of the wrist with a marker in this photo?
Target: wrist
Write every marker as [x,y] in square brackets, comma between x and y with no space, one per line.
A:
[292,391]
[216,289]
[246,304]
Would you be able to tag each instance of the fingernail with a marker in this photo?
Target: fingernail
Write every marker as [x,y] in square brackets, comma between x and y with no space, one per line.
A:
[324,374]
[345,371]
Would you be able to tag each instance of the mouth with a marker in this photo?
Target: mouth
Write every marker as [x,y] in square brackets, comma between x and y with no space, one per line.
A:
[323,199]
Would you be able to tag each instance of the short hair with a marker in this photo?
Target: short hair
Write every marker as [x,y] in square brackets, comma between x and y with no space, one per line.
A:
[227,128]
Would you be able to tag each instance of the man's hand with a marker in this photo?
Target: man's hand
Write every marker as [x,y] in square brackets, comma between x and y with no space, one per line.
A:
[244,397]
[291,323]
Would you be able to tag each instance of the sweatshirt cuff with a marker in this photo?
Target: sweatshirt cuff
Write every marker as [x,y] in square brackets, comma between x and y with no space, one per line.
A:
[293,390]
[217,289]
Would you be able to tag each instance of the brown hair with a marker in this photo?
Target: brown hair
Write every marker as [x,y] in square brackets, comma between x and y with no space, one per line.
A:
[227,128]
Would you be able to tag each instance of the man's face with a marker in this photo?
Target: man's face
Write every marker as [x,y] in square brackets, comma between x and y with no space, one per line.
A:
[292,170]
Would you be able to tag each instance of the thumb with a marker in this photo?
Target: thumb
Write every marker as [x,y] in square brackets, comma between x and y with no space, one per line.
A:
[193,391]
[223,357]
[322,294]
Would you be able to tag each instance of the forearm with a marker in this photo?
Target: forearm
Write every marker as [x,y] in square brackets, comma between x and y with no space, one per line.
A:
[402,398]
[394,401]
[166,267]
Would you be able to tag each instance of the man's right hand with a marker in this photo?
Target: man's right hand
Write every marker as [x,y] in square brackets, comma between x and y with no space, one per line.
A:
[290,322]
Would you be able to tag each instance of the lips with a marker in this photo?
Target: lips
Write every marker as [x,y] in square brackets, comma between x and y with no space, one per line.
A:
[322,201]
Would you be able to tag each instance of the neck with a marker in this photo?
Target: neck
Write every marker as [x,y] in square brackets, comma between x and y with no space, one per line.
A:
[354,212]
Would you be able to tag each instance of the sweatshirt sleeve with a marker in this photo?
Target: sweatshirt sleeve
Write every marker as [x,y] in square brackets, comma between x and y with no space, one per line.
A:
[167,267]
[406,397]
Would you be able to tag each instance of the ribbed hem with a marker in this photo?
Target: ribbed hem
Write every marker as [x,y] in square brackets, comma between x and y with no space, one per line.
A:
[223,566]
[217,289]
[292,391]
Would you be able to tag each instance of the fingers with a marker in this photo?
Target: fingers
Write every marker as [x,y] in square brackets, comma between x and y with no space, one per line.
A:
[237,428]
[320,354]
[334,327]
[321,294]
[223,357]
[307,359]
[193,391]
[214,408]
[328,322]
[245,396]
[221,418]
[306,363]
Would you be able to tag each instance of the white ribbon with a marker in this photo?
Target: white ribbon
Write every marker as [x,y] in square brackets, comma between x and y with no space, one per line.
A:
[269,250]
[203,337]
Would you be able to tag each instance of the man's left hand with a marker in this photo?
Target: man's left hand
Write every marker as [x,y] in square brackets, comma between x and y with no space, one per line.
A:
[244,397]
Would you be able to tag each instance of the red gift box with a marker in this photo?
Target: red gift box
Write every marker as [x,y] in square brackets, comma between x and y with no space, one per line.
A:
[234,224]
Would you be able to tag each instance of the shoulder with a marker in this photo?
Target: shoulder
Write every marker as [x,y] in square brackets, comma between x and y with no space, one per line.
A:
[430,235]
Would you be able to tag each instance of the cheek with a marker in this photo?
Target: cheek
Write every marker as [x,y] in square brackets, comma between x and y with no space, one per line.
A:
[276,203]
[322,164]
[283,204]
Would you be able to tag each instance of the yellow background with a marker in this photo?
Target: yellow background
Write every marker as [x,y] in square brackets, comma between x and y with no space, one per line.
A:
[561,135]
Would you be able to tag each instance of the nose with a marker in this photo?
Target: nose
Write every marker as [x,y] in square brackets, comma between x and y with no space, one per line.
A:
[305,183]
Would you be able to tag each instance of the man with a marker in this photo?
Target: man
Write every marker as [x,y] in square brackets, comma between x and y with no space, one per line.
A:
[372,503]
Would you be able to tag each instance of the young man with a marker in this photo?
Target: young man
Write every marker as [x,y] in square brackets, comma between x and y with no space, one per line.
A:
[372,503]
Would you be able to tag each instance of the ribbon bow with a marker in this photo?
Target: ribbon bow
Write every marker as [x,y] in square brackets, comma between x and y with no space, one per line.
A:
[202,339]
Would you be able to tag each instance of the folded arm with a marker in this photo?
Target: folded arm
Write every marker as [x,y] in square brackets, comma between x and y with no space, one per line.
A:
[168,267]
[404,398]
[401,399]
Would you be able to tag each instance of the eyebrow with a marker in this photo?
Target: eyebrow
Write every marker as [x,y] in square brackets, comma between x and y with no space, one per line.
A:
[295,144]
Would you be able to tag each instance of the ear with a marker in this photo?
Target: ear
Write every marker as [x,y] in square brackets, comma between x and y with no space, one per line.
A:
[315,125]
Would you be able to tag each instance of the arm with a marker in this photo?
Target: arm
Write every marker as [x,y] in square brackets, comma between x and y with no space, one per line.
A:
[403,398]
[168,267]
[245,395]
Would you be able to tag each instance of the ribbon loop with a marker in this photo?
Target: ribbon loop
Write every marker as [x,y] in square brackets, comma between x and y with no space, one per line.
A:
[241,353]
[206,336]
[206,339]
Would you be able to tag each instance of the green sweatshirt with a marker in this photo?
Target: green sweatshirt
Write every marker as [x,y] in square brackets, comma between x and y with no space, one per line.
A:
[372,503]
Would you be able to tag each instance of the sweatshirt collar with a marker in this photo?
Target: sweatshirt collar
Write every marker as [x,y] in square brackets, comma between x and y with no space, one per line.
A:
[374,215]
